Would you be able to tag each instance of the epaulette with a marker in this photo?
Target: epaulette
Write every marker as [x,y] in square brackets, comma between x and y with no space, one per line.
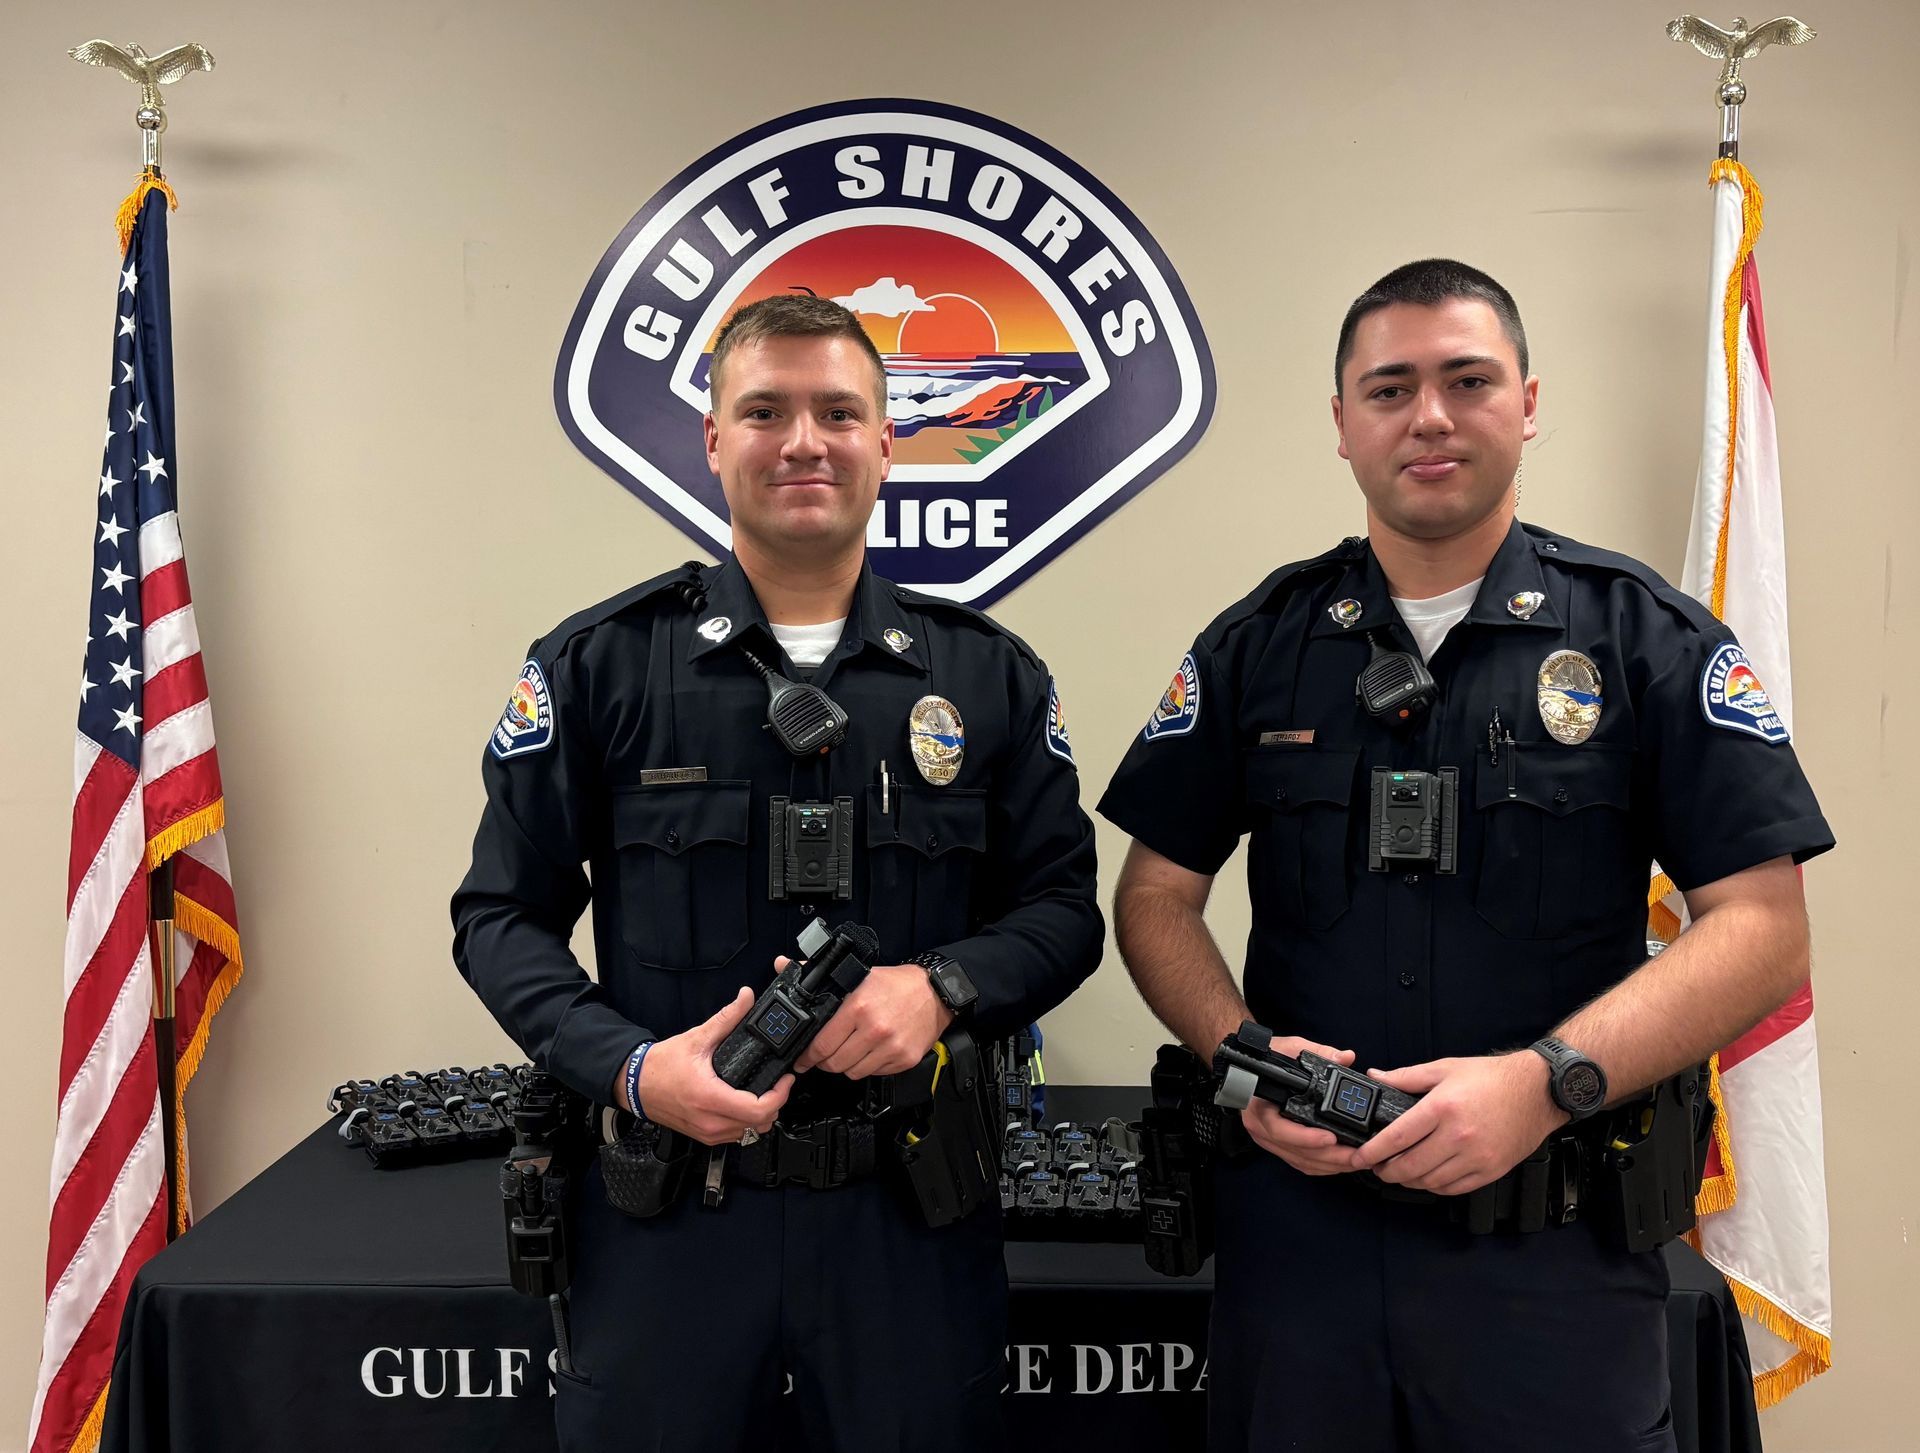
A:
[1280,582]
[966,614]
[684,581]
[1555,548]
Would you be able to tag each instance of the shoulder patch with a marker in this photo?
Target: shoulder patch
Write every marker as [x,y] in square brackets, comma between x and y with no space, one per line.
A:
[527,723]
[1732,697]
[1179,708]
[1057,742]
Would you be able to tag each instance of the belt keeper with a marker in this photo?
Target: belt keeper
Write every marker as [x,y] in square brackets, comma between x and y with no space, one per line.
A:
[1530,1201]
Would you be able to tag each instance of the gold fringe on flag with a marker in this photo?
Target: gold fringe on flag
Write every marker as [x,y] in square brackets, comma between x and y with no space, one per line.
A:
[150,181]
[1751,202]
[186,832]
[1718,1193]
[1815,1354]
[88,1438]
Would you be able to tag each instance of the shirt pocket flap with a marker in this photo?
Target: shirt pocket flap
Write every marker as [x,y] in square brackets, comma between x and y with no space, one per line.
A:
[930,823]
[1289,779]
[1556,779]
[680,815]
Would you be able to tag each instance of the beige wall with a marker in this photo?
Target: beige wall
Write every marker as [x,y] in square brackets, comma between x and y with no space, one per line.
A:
[388,212]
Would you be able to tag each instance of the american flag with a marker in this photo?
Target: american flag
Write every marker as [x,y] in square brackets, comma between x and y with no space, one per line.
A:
[146,790]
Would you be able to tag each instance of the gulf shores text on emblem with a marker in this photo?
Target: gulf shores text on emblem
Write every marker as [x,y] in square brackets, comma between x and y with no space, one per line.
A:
[1179,706]
[527,723]
[1043,362]
[1732,696]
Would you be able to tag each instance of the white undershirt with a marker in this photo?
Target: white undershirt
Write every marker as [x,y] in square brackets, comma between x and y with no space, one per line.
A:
[1432,618]
[809,645]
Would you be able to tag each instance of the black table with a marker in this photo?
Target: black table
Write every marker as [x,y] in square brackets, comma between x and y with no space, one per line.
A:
[330,1304]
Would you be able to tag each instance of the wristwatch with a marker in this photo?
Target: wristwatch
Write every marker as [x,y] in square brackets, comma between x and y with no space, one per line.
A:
[949,980]
[1579,1085]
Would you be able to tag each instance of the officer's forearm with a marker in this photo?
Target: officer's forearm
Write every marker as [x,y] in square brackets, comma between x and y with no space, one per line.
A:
[528,977]
[1177,966]
[1738,961]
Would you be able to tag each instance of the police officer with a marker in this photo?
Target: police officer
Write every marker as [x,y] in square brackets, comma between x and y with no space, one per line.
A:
[1592,718]
[636,744]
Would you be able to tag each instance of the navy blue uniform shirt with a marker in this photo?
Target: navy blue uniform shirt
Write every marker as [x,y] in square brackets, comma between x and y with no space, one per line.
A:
[1260,734]
[632,769]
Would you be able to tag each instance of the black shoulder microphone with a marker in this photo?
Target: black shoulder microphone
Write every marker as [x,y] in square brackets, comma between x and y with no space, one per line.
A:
[1396,686]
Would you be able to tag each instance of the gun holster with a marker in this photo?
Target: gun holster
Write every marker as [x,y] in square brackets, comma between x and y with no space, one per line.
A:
[1651,1156]
[949,1150]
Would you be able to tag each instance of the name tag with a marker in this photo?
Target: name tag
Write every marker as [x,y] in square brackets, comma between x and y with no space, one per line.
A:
[660,776]
[1274,739]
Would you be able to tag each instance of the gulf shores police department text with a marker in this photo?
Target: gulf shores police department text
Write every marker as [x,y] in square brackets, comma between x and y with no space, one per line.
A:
[867,173]
[1086,1370]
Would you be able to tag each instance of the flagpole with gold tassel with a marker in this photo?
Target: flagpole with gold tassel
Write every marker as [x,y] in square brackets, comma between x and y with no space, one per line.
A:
[1762,1268]
[150,73]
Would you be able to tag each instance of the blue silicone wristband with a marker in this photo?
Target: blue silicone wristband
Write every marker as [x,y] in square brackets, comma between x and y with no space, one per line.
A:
[634,1061]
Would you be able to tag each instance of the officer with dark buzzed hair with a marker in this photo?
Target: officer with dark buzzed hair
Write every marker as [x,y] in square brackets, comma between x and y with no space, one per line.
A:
[1456,745]
[635,770]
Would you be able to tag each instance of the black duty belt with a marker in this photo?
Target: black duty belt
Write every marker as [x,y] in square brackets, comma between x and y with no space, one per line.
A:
[1546,1189]
[822,1155]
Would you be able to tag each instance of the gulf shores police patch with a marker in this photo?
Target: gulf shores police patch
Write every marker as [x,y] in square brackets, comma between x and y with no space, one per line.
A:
[527,723]
[1057,742]
[1179,707]
[1732,697]
[1044,364]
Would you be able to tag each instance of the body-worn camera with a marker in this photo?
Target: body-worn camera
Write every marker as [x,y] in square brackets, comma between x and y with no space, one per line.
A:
[1308,1089]
[1415,819]
[811,849]
[792,1009]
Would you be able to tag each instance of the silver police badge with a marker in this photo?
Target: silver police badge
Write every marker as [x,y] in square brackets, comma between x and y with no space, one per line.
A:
[715,629]
[938,739]
[896,638]
[1345,612]
[1569,694]
[1524,603]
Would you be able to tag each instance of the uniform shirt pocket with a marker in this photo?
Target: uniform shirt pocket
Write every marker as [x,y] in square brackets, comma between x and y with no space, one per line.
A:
[1557,856]
[682,852]
[923,855]
[1299,800]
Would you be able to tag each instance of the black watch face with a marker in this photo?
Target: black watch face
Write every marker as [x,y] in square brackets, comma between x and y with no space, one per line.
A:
[1582,1088]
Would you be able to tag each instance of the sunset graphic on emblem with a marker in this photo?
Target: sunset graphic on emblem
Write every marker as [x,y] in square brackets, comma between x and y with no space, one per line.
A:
[974,353]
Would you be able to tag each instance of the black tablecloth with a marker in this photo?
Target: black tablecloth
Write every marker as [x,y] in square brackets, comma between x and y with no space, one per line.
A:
[330,1304]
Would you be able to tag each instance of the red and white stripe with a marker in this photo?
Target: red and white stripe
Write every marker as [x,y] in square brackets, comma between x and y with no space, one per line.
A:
[1764,1221]
[109,1172]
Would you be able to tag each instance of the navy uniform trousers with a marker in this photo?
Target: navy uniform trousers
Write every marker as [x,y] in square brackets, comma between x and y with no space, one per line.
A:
[1417,1337]
[891,1334]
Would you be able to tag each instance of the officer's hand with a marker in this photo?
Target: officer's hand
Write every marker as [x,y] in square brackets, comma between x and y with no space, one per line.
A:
[1481,1117]
[678,1088]
[1311,1152]
[887,1025]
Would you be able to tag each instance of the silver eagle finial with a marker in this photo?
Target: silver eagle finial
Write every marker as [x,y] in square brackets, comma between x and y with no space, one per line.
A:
[1736,45]
[150,73]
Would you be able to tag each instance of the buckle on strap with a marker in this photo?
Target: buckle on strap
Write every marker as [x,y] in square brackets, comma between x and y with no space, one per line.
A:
[823,1155]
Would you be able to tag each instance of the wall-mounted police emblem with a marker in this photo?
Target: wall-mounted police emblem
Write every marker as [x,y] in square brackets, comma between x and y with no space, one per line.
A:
[1569,693]
[1523,603]
[1179,706]
[715,629]
[1732,696]
[938,739]
[1057,742]
[1345,612]
[898,639]
[527,723]
[1043,361]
